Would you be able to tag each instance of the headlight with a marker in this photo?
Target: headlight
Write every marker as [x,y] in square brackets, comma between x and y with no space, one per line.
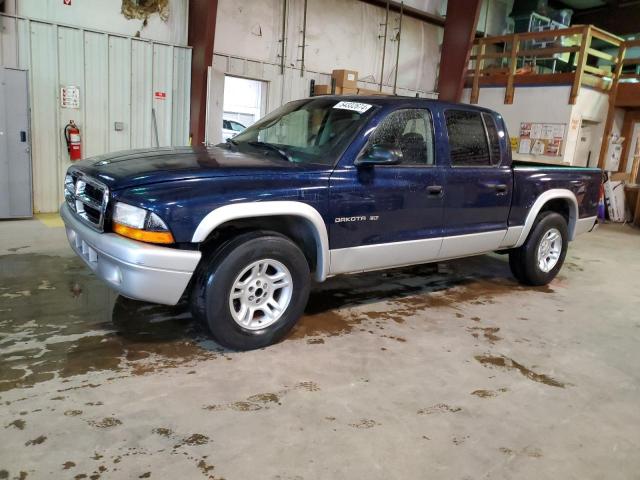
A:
[140,224]
[69,184]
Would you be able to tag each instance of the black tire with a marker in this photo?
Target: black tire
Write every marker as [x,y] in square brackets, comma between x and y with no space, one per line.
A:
[523,260]
[217,274]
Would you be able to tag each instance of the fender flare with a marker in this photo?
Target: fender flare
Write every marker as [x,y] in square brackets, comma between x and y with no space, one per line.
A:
[540,202]
[236,211]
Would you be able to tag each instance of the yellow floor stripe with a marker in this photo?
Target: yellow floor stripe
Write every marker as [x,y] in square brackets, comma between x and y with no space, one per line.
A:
[51,220]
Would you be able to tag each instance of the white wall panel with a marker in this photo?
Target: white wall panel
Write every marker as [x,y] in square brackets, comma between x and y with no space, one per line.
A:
[119,93]
[181,95]
[280,88]
[44,116]
[70,45]
[23,48]
[215,104]
[8,53]
[106,15]
[96,94]
[340,34]
[141,93]
[163,83]
[117,77]
[14,42]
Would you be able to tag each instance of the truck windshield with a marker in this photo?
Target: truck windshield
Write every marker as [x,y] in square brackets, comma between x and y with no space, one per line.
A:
[314,130]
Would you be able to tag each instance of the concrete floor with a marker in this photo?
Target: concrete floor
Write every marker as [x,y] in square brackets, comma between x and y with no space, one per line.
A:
[450,371]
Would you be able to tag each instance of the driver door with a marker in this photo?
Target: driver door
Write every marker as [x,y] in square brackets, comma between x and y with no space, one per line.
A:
[389,215]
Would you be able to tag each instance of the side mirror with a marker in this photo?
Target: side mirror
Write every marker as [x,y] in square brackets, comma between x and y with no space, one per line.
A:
[380,155]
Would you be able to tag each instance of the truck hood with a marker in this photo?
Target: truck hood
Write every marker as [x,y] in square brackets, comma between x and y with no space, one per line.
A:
[146,166]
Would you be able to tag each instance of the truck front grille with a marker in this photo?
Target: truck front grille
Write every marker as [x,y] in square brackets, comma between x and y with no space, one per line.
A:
[88,198]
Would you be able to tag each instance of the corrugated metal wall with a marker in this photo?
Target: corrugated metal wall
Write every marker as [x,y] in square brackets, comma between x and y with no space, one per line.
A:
[280,88]
[117,77]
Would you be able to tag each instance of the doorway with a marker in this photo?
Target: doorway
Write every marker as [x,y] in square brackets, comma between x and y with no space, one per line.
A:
[15,145]
[584,152]
[245,102]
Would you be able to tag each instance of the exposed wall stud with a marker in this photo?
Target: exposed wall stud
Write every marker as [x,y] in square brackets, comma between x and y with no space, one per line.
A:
[284,36]
[304,38]
[395,80]
[384,44]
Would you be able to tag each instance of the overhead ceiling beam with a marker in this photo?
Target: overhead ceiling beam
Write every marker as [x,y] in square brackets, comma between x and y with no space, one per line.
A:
[416,13]
[459,33]
[202,32]
[621,17]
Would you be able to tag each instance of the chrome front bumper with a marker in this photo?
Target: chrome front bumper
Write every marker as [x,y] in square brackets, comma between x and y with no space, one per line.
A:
[135,269]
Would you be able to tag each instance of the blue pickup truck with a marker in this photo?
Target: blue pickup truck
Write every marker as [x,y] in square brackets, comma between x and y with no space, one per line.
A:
[320,187]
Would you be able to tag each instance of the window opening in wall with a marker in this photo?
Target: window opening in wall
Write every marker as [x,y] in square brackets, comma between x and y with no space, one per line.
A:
[245,102]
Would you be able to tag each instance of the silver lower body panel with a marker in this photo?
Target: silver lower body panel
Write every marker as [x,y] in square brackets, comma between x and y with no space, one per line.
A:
[134,269]
[584,225]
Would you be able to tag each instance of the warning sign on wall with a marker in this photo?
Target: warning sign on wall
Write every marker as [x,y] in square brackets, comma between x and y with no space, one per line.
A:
[160,95]
[70,97]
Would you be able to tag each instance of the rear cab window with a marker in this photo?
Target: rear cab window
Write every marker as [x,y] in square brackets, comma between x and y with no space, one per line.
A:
[474,140]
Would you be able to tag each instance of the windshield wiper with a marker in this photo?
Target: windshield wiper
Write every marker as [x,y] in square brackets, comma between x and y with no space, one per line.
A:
[232,143]
[273,148]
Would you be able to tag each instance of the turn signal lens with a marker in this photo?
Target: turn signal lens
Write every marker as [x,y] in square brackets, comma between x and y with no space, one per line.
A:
[143,235]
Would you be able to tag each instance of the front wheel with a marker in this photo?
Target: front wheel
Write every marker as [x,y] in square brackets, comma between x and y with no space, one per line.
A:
[252,291]
[540,258]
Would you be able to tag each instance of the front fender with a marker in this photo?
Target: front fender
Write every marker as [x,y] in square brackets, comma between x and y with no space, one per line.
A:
[238,211]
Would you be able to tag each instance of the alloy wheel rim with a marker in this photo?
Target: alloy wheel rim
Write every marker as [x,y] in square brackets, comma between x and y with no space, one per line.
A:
[549,250]
[260,294]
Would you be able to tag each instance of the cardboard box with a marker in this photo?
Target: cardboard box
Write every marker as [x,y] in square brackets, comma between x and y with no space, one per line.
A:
[322,89]
[366,91]
[345,78]
[346,91]
[614,198]
[326,90]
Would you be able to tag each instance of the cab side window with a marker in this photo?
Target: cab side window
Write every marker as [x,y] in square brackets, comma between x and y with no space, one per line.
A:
[468,144]
[410,131]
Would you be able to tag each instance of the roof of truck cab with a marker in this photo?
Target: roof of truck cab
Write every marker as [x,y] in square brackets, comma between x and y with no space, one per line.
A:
[386,100]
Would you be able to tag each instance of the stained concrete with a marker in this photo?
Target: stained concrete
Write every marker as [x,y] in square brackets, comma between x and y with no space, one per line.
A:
[437,371]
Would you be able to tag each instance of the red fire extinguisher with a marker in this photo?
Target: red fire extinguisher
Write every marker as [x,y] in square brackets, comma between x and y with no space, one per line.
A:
[74,143]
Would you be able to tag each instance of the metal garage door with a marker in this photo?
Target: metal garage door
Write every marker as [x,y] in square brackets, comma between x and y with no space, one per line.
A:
[15,154]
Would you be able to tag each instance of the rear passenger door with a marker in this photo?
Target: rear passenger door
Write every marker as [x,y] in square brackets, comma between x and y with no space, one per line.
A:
[479,183]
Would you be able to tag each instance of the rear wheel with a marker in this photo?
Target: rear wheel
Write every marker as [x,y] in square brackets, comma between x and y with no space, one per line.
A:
[252,291]
[540,258]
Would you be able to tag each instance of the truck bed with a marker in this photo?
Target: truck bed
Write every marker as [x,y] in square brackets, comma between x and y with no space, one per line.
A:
[531,180]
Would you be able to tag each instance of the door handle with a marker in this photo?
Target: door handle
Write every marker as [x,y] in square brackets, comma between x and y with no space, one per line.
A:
[500,188]
[434,189]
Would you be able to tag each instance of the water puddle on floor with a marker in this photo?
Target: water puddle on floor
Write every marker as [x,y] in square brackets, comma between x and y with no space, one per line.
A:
[509,364]
[406,292]
[57,320]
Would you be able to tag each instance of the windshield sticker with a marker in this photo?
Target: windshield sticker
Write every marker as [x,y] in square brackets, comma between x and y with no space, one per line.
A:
[355,106]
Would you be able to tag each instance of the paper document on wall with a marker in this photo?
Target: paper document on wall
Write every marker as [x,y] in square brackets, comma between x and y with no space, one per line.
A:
[542,138]
[525,146]
[538,147]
